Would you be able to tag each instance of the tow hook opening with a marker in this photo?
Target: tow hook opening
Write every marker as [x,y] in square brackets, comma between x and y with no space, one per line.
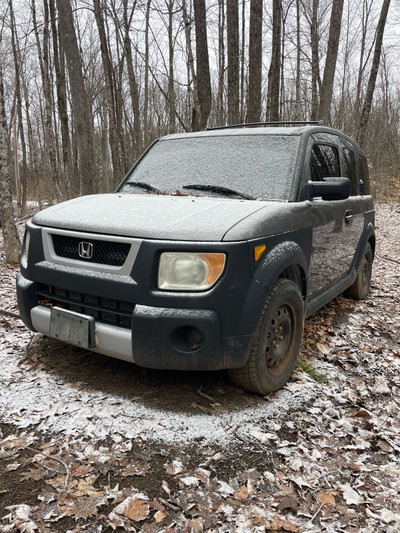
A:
[187,339]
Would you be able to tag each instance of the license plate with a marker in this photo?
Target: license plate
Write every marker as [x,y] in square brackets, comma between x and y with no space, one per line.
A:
[71,327]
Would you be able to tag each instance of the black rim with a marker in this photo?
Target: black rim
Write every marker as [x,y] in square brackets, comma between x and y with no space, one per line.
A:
[280,338]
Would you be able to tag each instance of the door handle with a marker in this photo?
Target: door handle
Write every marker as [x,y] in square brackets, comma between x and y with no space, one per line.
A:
[348,215]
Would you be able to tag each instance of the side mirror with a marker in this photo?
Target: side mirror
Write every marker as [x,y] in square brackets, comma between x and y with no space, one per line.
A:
[329,189]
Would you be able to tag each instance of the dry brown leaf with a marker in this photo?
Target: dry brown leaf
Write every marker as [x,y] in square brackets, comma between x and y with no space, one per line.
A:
[241,494]
[34,473]
[327,498]
[277,524]
[160,516]
[84,487]
[135,507]
[83,507]
[194,526]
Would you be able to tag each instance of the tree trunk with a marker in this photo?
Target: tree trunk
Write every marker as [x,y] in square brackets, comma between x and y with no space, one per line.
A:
[10,234]
[18,94]
[232,21]
[275,68]
[171,75]
[242,63]
[190,61]
[221,63]
[70,180]
[364,56]
[330,63]
[373,74]
[146,136]
[118,169]
[203,67]
[81,106]
[314,60]
[297,104]
[255,61]
[44,63]
[133,86]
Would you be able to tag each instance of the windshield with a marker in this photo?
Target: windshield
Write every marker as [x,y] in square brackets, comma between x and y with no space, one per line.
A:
[260,166]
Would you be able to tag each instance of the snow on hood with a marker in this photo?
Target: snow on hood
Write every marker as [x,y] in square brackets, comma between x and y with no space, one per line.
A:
[150,216]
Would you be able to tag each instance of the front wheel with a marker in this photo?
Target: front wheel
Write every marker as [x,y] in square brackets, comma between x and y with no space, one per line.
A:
[277,342]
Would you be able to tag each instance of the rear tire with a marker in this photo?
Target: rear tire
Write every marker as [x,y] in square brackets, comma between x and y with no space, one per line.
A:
[360,288]
[277,342]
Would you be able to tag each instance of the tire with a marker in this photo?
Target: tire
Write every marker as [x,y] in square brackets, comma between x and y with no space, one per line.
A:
[360,288]
[277,342]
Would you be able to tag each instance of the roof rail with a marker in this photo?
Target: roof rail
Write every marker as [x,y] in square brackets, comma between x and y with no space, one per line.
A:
[283,123]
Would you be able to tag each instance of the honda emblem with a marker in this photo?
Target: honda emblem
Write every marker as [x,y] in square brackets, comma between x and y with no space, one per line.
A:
[85,250]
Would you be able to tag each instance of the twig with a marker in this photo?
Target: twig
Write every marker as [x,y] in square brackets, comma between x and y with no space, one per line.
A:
[388,259]
[169,505]
[54,459]
[206,396]
[317,513]
[3,312]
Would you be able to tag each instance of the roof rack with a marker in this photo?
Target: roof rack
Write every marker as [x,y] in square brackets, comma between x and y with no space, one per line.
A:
[283,123]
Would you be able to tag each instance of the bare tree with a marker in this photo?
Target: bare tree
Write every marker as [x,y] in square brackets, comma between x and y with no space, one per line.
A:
[275,67]
[232,27]
[44,62]
[200,118]
[221,63]
[111,88]
[255,61]
[81,106]
[61,88]
[330,62]
[18,103]
[10,234]
[373,74]
[315,76]
[133,85]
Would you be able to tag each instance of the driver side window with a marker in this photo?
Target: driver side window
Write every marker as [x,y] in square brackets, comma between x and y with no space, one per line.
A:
[324,162]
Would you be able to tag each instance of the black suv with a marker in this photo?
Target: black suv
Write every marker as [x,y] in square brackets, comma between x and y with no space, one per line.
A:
[210,254]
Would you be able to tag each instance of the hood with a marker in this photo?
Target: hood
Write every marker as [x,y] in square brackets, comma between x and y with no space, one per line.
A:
[146,216]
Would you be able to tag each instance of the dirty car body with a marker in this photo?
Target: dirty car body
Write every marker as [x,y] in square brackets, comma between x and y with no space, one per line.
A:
[210,254]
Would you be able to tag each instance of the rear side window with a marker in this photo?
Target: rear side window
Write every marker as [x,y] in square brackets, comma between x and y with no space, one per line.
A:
[324,162]
[350,170]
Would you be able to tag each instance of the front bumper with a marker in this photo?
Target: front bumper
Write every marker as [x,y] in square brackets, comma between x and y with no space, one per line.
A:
[159,337]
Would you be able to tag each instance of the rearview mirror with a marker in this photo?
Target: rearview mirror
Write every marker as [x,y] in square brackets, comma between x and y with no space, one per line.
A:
[329,188]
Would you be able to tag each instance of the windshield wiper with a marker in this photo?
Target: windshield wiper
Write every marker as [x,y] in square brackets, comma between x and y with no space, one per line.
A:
[218,189]
[143,185]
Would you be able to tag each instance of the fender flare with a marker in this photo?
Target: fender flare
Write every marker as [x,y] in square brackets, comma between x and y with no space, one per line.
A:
[280,258]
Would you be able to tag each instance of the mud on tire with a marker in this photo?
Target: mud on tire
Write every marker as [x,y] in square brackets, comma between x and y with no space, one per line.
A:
[277,341]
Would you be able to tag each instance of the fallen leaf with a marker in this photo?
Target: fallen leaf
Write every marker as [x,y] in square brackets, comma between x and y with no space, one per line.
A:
[135,507]
[83,507]
[327,498]
[241,494]
[351,496]
[175,468]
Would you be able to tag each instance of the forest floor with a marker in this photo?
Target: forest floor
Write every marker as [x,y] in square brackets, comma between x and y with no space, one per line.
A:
[92,444]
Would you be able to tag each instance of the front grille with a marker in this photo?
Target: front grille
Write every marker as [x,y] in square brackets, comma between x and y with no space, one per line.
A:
[103,252]
[105,310]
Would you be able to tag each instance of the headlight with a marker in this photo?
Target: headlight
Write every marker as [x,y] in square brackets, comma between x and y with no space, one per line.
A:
[189,271]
